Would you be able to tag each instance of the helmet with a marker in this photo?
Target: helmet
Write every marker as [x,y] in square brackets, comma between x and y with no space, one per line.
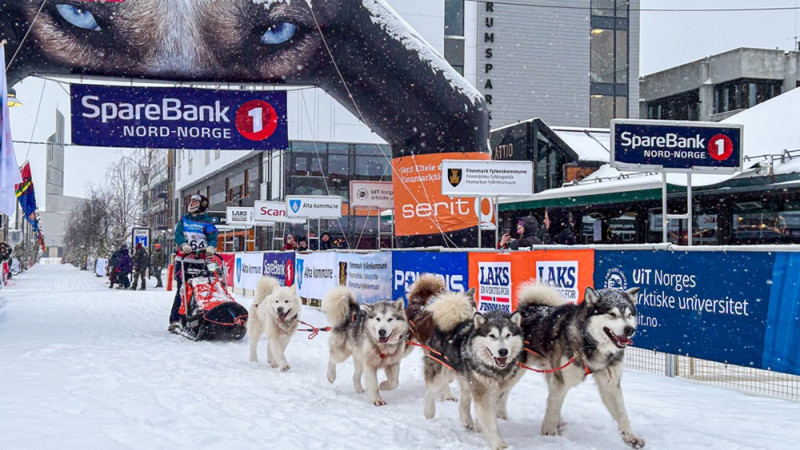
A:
[197,203]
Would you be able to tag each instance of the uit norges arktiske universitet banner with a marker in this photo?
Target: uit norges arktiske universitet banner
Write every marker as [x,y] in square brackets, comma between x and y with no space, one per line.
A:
[734,307]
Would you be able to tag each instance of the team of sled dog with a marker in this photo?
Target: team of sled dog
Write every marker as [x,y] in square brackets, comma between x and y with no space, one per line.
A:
[487,353]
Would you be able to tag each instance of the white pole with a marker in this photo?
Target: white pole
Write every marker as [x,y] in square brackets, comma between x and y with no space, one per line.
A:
[664,207]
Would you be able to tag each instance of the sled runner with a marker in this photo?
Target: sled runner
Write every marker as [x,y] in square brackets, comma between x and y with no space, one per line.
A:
[207,310]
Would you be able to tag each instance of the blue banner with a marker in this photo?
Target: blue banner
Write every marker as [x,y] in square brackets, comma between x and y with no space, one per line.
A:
[407,266]
[280,266]
[709,305]
[114,116]
[782,343]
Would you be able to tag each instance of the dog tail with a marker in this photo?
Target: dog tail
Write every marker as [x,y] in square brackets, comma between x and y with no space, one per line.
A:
[451,309]
[425,287]
[338,305]
[533,293]
[265,286]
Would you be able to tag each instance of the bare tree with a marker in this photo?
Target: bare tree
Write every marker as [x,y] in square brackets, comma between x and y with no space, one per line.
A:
[123,187]
[89,229]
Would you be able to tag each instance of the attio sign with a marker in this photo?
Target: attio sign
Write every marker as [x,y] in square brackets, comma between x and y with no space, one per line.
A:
[676,146]
[115,116]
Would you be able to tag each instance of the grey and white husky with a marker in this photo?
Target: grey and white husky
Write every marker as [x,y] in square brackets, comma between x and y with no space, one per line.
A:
[482,351]
[594,333]
[374,334]
[275,311]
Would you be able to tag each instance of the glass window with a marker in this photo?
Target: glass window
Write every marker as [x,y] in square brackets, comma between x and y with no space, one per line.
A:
[601,111]
[602,56]
[454,18]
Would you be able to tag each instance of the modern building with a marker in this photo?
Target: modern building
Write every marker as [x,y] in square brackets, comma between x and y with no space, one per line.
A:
[571,65]
[718,86]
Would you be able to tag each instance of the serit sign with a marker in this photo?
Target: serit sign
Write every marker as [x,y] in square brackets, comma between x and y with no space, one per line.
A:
[676,146]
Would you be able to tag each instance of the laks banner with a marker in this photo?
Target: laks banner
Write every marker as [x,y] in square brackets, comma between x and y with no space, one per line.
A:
[419,205]
[115,116]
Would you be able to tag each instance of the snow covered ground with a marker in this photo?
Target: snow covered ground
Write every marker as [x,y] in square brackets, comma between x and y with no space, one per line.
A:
[82,366]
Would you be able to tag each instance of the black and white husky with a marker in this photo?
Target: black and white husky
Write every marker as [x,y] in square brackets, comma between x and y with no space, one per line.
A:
[593,334]
[275,311]
[481,351]
[374,334]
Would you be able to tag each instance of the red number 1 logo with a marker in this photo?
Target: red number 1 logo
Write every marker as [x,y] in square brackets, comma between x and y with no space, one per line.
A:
[256,120]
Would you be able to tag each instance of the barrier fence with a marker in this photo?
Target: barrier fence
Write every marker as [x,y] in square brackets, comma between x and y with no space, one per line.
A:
[725,315]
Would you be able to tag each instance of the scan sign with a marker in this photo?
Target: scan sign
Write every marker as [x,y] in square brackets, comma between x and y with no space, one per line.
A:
[676,146]
[119,116]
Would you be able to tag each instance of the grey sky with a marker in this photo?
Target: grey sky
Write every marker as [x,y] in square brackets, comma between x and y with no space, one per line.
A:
[668,38]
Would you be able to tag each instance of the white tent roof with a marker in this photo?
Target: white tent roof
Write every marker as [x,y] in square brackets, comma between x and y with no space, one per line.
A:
[591,144]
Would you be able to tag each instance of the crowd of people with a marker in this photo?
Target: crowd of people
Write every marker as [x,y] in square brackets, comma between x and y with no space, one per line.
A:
[558,230]
[301,243]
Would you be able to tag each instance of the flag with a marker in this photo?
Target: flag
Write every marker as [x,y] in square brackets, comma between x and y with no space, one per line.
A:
[27,197]
[9,169]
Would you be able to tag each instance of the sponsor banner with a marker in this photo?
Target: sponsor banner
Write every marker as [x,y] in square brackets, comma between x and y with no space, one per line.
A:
[229,261]
[408,266]
[420,207]
[709,305]
[137,117]
[368,275]
[239,216]
[264,211]
[316,274]
[248,268]
[280,266]
[371,194]
[782,341]
[314,207]
[487,178]
[498,276]
[100,266]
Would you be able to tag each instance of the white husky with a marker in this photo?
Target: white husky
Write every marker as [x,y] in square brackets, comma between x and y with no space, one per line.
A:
[275,311]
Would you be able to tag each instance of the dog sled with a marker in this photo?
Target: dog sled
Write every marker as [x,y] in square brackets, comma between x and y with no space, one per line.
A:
[207,310]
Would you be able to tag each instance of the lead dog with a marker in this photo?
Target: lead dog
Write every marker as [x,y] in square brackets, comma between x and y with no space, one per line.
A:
[593,334]
[275,311]
[482,350]
[374,334]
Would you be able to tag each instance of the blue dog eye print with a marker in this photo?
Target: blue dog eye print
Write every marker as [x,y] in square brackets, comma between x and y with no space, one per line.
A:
[278,33]
[81,18]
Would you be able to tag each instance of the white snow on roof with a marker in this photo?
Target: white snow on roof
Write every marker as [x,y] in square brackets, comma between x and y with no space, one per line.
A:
[591,144]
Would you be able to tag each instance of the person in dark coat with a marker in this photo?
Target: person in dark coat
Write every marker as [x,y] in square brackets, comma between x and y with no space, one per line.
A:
[527,235]
[158,260]
[124,267]
[141,262]
[559,226]
[325,241]
[112,267]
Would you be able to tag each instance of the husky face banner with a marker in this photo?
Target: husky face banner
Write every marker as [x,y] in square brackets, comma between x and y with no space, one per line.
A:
[361,52]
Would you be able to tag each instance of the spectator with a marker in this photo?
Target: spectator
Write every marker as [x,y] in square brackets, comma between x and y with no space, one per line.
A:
[527,233]
[112,267]
[158,260]
[559,226]
[124,267]
[325,241]
[141,262]
[302,244]
[289,243]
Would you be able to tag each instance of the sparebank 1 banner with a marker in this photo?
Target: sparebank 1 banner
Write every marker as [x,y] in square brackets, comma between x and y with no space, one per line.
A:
[407,266]
[709,305]
[280,266]
[368,275]
[248,270]
[119,116]
[316,274]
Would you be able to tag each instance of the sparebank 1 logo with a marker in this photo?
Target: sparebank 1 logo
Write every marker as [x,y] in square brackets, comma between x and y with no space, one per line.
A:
[299,272]
[256,120]
[294,204]
[494,286]
[561,275]
[616,279]
[238,270]
[289,272]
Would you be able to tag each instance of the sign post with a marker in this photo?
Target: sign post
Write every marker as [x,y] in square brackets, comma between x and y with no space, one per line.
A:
[313,207]
[676,146]
[140,236]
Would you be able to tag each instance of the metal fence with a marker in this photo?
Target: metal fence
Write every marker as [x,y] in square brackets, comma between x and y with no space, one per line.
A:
[747,379]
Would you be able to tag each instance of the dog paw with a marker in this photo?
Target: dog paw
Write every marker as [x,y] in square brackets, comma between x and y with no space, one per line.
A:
[502,415]
[498,445]
[273,364]
[449,398]
[284,368]
[378,402]
[468,424]
[387,386]
[631,439]
[550,430]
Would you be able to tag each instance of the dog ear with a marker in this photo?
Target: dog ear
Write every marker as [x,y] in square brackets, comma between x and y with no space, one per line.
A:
[478,320]
[516,318]
[632,293]
[294,289]
[590,296]
[400,304]
[366,307]
[470,293]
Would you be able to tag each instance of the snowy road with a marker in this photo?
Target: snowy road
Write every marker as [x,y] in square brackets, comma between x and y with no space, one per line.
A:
[82,366]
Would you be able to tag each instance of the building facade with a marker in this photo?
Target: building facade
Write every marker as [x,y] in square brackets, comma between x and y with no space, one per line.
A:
[716,87]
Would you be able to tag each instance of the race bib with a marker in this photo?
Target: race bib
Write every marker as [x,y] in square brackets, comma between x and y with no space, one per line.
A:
[196,240]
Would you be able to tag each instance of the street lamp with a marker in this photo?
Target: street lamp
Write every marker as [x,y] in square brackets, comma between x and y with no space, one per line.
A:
[12,98]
